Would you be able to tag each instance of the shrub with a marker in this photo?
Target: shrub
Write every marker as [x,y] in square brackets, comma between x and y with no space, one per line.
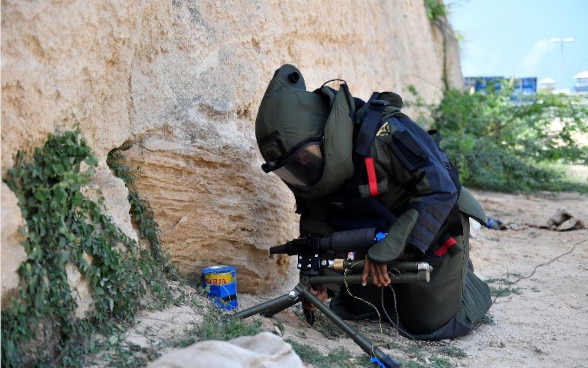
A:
[500,144]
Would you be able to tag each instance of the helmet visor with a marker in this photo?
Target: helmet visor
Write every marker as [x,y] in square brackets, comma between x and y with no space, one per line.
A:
[303,167]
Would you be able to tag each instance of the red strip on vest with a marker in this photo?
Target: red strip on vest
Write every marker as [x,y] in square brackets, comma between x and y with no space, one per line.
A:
[445,247]
[371,174]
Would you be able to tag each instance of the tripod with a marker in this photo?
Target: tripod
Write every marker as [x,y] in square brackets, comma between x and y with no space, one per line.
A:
[311,261]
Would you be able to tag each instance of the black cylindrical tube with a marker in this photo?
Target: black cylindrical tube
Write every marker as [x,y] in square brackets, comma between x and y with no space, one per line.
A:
[405,278]
[349,240]
[281,249]
[341,241]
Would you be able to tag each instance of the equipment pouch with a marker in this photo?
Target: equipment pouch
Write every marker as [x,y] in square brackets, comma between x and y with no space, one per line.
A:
[470,206]
[445,246]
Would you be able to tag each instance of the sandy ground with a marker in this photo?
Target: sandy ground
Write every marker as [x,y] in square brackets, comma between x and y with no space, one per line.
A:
[544,323]
[539,320]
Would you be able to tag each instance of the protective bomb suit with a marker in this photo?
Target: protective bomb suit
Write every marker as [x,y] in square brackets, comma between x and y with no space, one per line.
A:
[308,139]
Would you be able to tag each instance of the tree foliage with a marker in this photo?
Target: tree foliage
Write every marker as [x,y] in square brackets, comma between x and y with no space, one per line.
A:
[503,141]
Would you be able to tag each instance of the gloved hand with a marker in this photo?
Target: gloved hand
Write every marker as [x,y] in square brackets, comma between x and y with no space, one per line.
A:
[392,246]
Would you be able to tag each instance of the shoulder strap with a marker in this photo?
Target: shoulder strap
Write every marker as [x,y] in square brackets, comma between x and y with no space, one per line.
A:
[368,118]
[436,136]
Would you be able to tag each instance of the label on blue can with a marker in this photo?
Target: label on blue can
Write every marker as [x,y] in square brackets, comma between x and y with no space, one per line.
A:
[222,285]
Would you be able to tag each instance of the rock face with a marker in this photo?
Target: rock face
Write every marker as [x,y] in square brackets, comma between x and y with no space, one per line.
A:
[12,252]
[178,84]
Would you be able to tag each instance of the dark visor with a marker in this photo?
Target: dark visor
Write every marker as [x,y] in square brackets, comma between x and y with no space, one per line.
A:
[302,168]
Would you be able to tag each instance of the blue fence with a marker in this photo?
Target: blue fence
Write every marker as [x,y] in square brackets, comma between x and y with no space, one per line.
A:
[525,86]
[525,89]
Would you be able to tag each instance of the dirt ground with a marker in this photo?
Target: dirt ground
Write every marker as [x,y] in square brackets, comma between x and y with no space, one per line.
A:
[544,323]
[539,317]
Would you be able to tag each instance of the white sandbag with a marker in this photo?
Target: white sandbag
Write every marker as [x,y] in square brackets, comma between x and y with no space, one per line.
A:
[475,228]
[264,350]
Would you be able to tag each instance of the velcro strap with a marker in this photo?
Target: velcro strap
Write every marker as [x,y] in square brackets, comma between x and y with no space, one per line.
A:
[371,174]
[445,247]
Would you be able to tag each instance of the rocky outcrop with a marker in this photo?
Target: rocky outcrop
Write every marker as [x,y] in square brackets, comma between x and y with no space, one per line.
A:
[177,84]
[12,252]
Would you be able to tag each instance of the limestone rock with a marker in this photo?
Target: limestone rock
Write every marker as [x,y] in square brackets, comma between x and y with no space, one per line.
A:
[179,83]
[208,210]
[80,288]
[13,254]
[113,192]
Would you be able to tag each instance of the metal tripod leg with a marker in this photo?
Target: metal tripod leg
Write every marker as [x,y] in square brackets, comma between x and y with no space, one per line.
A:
[273,306]
[301,291]
[363,342]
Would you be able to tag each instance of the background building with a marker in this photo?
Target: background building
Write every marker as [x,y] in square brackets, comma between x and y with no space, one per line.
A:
[581,85]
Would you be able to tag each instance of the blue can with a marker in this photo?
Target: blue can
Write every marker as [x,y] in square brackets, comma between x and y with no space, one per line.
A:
[222,285]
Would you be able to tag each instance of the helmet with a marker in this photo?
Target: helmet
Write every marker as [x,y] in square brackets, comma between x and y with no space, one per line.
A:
[305,137]
[289,129]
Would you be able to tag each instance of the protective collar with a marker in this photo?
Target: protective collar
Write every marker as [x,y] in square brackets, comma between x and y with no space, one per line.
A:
[337,144]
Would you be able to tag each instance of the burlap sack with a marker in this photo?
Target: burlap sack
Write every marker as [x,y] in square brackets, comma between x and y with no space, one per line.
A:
[264,350]
[563,220]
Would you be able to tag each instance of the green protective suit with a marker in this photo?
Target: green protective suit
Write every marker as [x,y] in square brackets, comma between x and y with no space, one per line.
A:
[414,185]
[453,302]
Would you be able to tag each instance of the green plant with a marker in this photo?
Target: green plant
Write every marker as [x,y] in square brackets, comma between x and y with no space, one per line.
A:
[340,357]
[309,354]
[438,362]
[488,320]
[217,325]
[142,214]
[452,351]
[500,291]
[499,142]
[64,229]
[435,9]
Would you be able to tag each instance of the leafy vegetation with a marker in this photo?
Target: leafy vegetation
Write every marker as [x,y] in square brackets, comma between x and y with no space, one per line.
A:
[505,143]
[500,287]
[435,9]
[143,216]
[65,231]
[216,325]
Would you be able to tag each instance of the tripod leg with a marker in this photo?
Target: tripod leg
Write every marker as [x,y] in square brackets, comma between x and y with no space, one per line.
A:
[273,306]
[361,340]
